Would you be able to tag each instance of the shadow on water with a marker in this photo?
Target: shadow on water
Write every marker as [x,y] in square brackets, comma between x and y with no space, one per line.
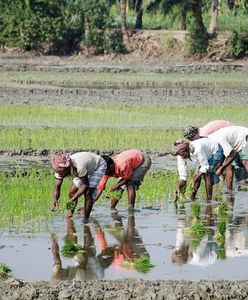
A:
[111,239]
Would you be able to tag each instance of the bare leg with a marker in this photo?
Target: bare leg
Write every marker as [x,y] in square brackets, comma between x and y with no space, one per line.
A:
[229,177]
[196,188]
[245,164]
[115,201]
[208,186]
[131,195]
[88,203]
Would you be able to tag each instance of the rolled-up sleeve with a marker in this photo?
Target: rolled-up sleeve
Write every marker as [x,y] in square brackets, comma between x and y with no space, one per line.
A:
[182,167]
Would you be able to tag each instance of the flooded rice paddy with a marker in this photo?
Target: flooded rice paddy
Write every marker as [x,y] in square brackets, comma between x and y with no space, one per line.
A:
[112,238]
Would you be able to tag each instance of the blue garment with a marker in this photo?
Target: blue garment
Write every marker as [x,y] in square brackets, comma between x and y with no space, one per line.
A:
[213,161]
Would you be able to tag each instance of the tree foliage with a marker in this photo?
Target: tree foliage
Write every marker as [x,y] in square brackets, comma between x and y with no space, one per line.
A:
[63,26]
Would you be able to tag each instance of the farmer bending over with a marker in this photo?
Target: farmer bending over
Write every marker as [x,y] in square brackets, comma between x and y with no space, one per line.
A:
[208,154]
[192,133]
[235,146]
[132,166]
[87,170]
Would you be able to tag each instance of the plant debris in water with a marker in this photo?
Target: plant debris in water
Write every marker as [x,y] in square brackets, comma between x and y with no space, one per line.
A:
[142,264]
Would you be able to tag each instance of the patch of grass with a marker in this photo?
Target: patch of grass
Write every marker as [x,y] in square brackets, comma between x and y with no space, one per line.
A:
[4,271]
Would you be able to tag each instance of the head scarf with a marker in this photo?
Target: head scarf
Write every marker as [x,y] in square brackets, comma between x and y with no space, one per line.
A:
[60,161]
[189,132]
[179,145]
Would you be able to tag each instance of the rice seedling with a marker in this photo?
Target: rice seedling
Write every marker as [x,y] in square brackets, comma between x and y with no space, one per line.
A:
[195,212]
[26,199]
[222,210]
[108,79]
[147,127]
[142,264]
[197,231]
[4,271]
[70,249]
[220,234]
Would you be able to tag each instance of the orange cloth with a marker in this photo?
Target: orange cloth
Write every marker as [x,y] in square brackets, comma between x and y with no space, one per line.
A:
[125,163]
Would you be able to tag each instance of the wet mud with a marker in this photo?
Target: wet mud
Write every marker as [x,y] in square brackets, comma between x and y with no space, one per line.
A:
[124,290]
[125,92]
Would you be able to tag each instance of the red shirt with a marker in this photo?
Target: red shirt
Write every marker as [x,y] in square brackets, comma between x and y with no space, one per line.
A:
[125,163]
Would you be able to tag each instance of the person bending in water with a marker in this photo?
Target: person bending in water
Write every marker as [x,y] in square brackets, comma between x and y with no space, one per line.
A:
[131,166]
[192,133]
[87,170]
[208,154]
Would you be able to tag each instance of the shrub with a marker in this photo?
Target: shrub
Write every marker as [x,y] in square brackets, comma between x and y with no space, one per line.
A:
[237,45]
[113,41]
[196,41]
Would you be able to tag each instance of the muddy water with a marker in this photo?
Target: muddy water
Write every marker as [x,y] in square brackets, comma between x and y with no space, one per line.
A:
[112,238]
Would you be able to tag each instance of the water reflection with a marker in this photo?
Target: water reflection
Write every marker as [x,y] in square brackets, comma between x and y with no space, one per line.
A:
[227,234]
[87,264]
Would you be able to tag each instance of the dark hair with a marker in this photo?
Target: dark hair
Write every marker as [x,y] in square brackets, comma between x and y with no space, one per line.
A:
[108,160]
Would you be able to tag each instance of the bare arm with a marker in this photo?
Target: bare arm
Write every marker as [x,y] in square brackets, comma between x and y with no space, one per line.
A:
[56,193]
[118,185]
[82,189]
[98,195]
[181,186]
[230,158]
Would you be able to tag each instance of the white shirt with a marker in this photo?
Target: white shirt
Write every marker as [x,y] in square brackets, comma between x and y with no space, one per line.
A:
[230,138]
[204,148]
[83,163]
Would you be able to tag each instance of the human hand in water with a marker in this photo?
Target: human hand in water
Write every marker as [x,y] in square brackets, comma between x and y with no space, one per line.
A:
[54,206]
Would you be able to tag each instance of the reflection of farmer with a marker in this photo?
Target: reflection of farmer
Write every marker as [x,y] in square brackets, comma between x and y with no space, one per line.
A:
[130,245]
[207,154]
[192,133]
[237,235]
[202,255]
[181,254]
[132,166]
[86,265]
[87,169]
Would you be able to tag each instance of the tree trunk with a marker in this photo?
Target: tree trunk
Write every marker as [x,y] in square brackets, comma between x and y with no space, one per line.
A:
[139,11]
[214,17]
[197,13]
[123,7]
[184,19]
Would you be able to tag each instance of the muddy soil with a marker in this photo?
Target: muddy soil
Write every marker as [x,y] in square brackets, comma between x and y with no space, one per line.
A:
[129,93]
[124,289]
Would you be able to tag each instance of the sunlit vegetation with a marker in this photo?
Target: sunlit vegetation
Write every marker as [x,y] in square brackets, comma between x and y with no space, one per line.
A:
[25,200]
[87,127]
